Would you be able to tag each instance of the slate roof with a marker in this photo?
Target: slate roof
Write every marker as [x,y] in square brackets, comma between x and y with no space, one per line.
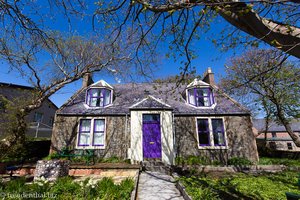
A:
[130,94]
[259,124]
[151,102]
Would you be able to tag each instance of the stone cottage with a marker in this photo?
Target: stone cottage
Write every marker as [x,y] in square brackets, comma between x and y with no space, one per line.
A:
[155,121]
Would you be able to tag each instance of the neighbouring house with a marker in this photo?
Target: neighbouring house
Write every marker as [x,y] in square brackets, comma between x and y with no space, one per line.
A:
[155,121]
[275,137]
[39,121]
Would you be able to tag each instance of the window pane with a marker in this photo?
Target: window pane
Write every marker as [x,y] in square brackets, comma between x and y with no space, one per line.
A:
[107,97]
[199,92]
[218,131]
[85,125]
[84,139]
[100,102]
[206,101]
[151,117]
[99,125]
[95,92]
[203,132]
[38,117]
[94,102]
[99,138]
[191,97]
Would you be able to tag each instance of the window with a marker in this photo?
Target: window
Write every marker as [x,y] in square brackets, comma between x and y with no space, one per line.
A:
[289,146]
[200,97]
[38,117]
[51,121]
[274,135]
[91,133]
[210,132]
[98,97]
[272,145]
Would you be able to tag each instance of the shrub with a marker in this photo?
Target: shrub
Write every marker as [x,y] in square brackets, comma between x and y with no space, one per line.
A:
[237,161]
[197,160]
[179,160]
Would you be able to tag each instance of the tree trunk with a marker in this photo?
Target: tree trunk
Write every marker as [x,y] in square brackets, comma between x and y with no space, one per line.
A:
[19,130]
[281,36]
[295,137]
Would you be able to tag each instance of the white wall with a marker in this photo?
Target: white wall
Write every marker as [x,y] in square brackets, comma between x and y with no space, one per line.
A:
[135,152]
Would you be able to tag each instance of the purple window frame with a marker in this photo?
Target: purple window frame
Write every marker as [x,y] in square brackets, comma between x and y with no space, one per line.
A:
[93,143]
[209,95]
[90,95]
[222,129]
[80,131]
[201,132]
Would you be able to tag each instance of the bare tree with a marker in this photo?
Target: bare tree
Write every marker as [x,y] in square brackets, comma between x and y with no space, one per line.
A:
[180,22]
[48,59]
[271,80]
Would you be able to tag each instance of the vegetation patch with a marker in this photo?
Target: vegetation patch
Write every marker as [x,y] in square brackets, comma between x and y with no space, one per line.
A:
[279,161]
[67,188]
[242,186]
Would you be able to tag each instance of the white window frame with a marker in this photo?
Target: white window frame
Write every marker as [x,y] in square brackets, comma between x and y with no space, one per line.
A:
[92,107]
[211,137]
[200,107]
[91,146]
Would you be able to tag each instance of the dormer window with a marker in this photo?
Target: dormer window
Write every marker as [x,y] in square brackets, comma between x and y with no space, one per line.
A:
[200,94]
[200,97]
[98,97]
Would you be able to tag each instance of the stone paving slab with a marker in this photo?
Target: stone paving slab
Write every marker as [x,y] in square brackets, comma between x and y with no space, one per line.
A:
[157,186]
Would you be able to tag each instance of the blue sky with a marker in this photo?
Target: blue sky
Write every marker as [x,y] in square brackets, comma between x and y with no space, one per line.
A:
[208,56]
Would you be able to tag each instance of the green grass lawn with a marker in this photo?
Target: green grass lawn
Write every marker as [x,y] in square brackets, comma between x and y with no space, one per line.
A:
[279,161]
[242,186]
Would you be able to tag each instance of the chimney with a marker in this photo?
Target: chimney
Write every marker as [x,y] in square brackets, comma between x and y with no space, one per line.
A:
[87,80]
[208,77]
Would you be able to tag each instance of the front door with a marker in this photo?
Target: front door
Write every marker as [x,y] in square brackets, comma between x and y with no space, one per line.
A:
[151,136]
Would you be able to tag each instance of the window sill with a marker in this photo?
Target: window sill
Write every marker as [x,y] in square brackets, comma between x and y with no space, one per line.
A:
[96,107]
[213,147]
[90,147]
[202,107]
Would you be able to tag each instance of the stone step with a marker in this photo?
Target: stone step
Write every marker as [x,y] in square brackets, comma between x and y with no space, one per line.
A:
[156,167]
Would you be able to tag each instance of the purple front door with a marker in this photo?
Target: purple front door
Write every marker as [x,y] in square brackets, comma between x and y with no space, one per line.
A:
[151,136]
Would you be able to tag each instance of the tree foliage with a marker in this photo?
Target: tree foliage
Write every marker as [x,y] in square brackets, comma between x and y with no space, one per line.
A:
[272,83]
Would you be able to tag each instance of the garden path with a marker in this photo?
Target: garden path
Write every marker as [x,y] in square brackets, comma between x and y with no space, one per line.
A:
[155,185]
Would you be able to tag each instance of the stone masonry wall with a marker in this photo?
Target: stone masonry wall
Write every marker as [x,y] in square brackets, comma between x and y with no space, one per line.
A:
[117,140]
[51,169]
[240,139]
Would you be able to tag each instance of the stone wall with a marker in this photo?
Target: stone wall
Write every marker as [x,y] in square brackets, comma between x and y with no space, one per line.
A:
[240,139]
[116,142]
[51,169]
